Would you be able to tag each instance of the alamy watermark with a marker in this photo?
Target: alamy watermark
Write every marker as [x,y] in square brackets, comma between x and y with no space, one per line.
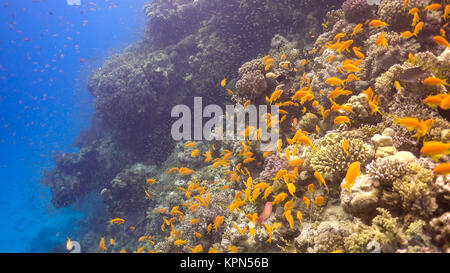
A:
[231,124]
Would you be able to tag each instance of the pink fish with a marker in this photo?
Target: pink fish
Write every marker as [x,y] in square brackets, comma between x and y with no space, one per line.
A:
[265,213]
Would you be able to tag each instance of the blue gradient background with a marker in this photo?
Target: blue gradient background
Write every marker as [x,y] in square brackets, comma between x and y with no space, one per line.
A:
[44,103]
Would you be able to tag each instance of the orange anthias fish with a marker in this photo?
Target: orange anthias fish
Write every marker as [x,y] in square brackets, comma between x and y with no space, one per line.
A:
[275,95]
[434,101]
[353,171]
[434,6]
[408,122]
[445,103]
[101,244]
[319,201]
[334,81]
[433,81]
[321,180]
[443,168]
[218,221]
[435,149]
[150,181]
[223,82]
[179,242]
[377,23]
[185,171]
[117,221]
[345,146]
[382,41]
[341,119]
[306,201]
[407,34]
[418,28]
[446,12]
[357,29]
[441,41]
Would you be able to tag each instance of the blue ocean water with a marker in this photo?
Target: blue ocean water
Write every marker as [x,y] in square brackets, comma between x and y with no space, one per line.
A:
[47,50]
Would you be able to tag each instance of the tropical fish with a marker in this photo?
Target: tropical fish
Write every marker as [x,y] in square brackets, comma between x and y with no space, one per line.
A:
[306,201]
[117,221]
[445,103]
[406,34]
[358,53]
[189,145]
[265,214]
[299,216]
[223,82]
[435,149]
[433,81]
[356,30]
[196,249]
[441,41]
[279,198]
[398,86]
[291,189]
[269,231]
[434,6]
[334,81]
[382,41]
[275,95]
[405,4]
[150,181]
[321,180]
[377,23]
[353,171]
[179,242]
[416,19]
[289,219]
[195,153]
[101,244]
[218,221]
[345,146]
[345,46]
[319,201]
[446,12]
[434,100]
[185,171]
[341,119]
[418,28]
[443,168]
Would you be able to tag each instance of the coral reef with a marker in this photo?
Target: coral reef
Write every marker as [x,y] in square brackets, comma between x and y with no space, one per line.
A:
[355,10]
[349,92]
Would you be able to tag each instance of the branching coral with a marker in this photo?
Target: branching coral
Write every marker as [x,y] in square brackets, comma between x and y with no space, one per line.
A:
[382,232]
[332,161]
[406,185]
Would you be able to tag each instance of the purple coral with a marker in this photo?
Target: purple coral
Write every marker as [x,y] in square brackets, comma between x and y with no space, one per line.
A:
[273,165]
[356,11]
